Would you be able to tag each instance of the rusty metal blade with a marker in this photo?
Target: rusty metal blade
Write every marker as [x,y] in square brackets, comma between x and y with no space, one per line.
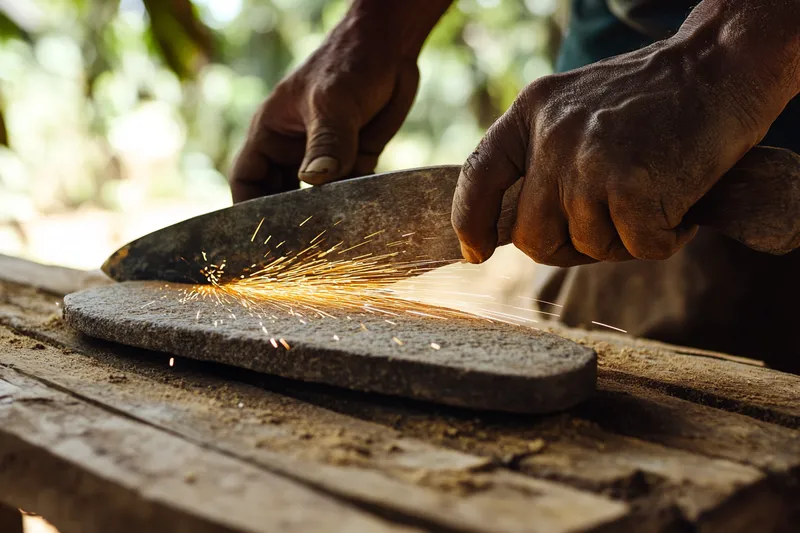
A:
[405,212]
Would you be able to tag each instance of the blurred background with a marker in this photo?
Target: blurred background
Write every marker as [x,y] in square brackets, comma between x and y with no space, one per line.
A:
[118,117]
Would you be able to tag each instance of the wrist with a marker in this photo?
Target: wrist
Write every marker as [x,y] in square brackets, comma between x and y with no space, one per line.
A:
[397,29]
[757,40]
[747,52]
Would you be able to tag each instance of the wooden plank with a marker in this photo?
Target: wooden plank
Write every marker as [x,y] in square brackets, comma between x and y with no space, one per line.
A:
[681,424]
[666,487]
[642,413]
[695,375]
[92,471]
[428,485]
[700,377]
[689,488]
[50,278]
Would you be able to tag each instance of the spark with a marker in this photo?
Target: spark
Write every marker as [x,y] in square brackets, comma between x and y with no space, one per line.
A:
[253,238]
[609,327]
[306,220]
[285,344]
[397,341]
[374,234]
[315,239]
[316,284]
[354,247]
[148,304]
[171,361]
[539,301]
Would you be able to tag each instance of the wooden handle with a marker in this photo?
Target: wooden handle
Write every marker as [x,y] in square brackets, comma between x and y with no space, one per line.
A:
[757,203]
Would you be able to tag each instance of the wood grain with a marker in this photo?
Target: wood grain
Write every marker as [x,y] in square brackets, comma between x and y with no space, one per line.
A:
[672,442]
[89,470]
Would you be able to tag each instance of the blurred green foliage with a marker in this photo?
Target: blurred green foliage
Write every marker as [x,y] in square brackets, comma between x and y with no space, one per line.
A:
[113,103]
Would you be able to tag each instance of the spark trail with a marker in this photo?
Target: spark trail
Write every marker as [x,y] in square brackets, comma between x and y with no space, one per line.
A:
[316,284]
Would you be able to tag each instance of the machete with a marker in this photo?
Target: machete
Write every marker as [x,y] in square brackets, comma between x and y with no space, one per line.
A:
[757,203]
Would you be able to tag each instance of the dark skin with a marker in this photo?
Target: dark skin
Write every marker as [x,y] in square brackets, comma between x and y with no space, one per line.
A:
[613,155]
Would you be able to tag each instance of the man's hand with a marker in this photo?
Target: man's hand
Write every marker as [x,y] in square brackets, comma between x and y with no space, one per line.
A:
[332,118]
[613,155]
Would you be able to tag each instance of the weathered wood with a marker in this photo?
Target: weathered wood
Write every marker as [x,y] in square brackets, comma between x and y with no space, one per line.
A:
[689,489]
[50,278]
[415,482]
[90,471]
[642,413]
[10,519]
[756,202]
[697,376]
[451,468]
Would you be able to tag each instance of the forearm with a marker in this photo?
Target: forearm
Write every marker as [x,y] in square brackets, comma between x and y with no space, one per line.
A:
[401,26]
[756,42]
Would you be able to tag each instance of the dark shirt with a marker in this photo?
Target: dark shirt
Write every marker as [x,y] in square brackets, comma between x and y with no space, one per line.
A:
[654,18]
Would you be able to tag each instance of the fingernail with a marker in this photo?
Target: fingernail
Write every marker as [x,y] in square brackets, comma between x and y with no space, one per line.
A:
[320,170]
[470,255]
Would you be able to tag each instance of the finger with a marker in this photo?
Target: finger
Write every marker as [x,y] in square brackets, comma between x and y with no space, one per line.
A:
[497,163]
[541,230]
[377,133]
[331,140]
[249,177]
[592,231]
[255,170]
[643,224]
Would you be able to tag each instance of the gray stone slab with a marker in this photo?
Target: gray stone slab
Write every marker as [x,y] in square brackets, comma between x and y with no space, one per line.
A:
[457,361]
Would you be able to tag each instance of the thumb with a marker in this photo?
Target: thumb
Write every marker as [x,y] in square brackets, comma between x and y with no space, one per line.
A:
[497,163]
[331,145]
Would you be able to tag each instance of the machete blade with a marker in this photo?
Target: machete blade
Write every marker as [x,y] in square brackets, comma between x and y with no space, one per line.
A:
[405,212]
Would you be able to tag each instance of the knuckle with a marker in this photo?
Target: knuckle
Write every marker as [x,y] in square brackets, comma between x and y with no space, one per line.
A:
[541,252]
[473,163]
[319,95]
[322,134]
[592,247]
[652,246]
[539,89]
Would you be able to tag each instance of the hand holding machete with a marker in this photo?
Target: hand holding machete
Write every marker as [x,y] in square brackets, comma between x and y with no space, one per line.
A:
[612,156]
[332,117]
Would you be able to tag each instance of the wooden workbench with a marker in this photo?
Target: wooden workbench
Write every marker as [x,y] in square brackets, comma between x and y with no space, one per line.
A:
[101,438]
